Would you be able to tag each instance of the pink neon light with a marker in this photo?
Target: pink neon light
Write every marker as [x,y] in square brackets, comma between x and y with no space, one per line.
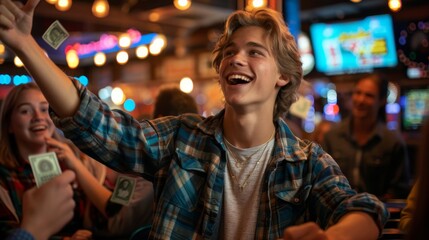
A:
[106,42]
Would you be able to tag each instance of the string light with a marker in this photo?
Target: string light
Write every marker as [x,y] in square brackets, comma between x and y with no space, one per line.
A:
[142,52]
[72,59]
[100,8]
[99,59]
[186,85]
[124,40]
[395,5]
[17,62]
[117,96]
[122,57]
[252,4]
[182,4]
[63,5]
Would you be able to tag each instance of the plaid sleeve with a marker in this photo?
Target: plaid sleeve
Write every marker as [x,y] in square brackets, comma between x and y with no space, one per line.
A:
[109,135]
[336,198]
[20,234]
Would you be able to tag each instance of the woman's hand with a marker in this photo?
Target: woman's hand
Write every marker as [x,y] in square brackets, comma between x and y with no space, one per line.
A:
[64,153]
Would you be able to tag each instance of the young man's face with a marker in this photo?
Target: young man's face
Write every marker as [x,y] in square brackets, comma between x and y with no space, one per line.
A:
[248,72]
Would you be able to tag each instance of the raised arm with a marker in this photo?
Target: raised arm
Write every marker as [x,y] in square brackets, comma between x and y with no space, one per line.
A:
[15,32]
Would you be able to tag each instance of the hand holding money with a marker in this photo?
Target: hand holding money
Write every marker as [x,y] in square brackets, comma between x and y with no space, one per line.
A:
[45,166]
[48,208]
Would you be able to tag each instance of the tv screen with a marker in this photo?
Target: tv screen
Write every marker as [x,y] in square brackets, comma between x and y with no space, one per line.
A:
[414,107]
[353,47]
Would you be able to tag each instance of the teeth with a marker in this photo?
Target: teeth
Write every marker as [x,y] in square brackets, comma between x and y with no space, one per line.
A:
[38,128]
[239,77]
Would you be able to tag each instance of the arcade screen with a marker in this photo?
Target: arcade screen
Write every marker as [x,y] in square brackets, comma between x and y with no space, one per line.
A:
[414,107]
[352,47]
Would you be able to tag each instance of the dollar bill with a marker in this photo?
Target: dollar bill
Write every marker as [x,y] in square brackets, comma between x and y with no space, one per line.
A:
[124,190]
[45,166]
[55,35]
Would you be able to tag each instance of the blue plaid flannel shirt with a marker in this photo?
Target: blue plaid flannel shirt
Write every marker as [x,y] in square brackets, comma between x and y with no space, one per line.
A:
[185,158]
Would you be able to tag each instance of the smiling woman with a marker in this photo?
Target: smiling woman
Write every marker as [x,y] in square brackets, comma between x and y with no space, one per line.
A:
[26,130]
[25,125]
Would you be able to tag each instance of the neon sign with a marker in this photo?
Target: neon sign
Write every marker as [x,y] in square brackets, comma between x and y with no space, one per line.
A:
[109,43]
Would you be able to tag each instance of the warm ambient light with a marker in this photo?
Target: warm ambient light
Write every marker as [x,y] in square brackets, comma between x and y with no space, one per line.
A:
[395,5]
[17,62]
[186,85]
[124,40]
[122,57]
[51,1]
[117,96]
[63,5]
[251,4]
[142,52]
[100,8]
[99,59]
[182,4]
[72,59]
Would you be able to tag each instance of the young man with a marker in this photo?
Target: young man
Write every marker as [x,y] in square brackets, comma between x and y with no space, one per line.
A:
[241,174]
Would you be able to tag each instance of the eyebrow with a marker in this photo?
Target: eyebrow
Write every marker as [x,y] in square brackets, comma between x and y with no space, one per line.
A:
[248,44]
[28,103]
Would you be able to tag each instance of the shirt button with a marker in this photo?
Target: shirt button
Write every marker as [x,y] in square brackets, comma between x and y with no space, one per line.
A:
[296,200]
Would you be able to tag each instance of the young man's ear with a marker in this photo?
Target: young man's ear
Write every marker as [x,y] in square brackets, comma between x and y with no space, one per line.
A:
[282,81]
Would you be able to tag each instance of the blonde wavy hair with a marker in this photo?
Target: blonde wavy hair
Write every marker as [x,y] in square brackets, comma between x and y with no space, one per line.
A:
[283,47]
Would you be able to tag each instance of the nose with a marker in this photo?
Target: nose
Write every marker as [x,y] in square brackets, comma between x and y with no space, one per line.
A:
[358,98]
[237,60]
[37,115]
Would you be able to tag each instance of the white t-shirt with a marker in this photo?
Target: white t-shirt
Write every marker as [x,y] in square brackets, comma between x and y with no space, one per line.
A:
[243,189]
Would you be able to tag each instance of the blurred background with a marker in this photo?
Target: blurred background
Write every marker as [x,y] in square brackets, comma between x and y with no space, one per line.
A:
[126,50]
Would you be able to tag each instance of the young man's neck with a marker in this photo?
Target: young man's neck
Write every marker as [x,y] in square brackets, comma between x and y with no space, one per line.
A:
[248,130]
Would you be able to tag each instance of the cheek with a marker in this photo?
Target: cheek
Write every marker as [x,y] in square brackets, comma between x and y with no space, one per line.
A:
[17,125]
[222,66]
[51,126]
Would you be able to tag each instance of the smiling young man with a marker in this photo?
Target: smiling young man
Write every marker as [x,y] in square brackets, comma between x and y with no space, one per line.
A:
[241,174]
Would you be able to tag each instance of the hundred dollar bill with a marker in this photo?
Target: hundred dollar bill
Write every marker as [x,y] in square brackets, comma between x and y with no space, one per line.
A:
[55,35]
[45,166]
[124,190]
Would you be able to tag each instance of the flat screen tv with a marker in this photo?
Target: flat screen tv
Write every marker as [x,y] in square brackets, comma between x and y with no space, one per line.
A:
[414,108]
[353,47]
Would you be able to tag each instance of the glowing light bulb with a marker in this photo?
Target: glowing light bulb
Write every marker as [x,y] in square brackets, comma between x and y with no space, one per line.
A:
[100,8]
[182,4]
[395,5]
[99,59]
[122,57]
[17,62]
[142,52]
[72,59]
[186,85]
[63,5]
